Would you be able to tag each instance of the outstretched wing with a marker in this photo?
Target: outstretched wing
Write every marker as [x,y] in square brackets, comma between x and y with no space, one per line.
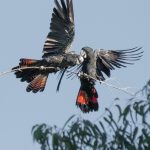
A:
[109,59]
[62,31]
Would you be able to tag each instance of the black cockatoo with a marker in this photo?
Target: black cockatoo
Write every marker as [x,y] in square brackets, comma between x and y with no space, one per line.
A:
[56,49]
[95,65]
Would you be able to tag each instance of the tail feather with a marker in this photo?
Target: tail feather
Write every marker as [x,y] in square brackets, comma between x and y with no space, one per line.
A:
[38,83]
[28,62]
[35,77]
[27,75]
[87,99]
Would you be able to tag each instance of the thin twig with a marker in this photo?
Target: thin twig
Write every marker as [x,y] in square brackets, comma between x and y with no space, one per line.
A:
[86,75]
[118,88]
[24,68]
[110,85]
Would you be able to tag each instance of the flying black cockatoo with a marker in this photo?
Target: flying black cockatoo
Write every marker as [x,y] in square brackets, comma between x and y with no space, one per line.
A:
[95,65]
[56,50]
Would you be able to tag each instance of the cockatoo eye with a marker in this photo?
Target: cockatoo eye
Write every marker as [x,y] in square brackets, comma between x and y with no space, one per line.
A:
[83,54]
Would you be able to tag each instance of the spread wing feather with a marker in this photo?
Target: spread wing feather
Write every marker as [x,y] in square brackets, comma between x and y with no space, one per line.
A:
[62,32]
[110,59]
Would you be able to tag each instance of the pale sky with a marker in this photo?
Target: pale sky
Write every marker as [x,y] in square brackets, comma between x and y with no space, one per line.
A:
[24,26]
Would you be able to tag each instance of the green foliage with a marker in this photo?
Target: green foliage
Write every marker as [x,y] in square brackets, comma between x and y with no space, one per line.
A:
[130,130]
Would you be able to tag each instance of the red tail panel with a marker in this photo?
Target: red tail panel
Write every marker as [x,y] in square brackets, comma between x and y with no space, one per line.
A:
[82,98]
[87,100]
[38,84]
[27,62]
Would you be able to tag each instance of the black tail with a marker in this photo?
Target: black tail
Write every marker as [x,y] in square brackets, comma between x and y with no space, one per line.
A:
[36,77]
[87,97]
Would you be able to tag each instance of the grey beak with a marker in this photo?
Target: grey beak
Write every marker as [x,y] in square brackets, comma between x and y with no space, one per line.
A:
[83,54]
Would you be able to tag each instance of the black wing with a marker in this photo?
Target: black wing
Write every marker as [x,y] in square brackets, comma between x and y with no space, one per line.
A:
[109,59]
[62,32]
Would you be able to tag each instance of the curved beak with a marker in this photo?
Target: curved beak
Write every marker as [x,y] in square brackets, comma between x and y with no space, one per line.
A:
[83,53]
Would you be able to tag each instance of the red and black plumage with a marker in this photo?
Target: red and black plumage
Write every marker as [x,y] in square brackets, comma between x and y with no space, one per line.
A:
[87,98]
[87,95]
[56,49]
[57,57]
[95,65]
